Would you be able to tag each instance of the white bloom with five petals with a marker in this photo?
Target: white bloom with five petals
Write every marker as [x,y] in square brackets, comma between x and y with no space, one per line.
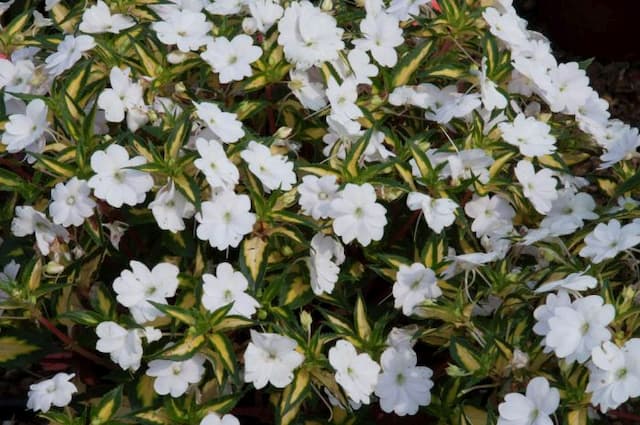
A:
[136,287]
[534,408]
[438,213]
[232,59]
[271,358]
[539,188]
[357,215]
[70,203]
[273,170]
[224,125]
[228,286]
[225,220]
[356,373]
[174,377]
[56,391]
[414,284]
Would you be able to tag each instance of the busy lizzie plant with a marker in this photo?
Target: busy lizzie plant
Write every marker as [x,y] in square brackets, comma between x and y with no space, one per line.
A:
[296,212]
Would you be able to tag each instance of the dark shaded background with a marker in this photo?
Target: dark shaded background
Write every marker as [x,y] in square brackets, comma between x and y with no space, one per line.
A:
[606,30]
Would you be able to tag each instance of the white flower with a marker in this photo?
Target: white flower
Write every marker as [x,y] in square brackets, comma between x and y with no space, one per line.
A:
[570,88]
[382,34]
[568,212]
[114,181]
[16,76]
[29,221]
[402,386]
[573,282]
[576,329]
[56,391]
[533,408]
[225,220]
[544,312]
[98,19]
[357,215]
[186,29]
[508,27]
[326,256]
[8,274]
[309,92]
[531,136]
[414,284]
[342,98]
[25,131]
[136,287]
[228,286]
[356,373]
[615,374]
[308,35]
[174,377]
[124,346]
[490,214]
[438,213]
[219,171]
[271,358]
[608,240]
[273,170]
[265,13]
[232,59]
[123,96]
[69,52]
[404,9]
[316,195]
[356,66]
[170,208]
[215,419]
[491,96]
[539,188]
[224,125]
[70,203]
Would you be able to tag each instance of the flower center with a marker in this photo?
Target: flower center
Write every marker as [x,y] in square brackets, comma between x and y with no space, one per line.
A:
[71,200]
[359,213]
[621,373]
[415,284]
[585,328]
[150,290]
[233,59]
[51,389]
[322,196]
[176,369]
[400,379]
[228,295]
[118,176]
[227,217]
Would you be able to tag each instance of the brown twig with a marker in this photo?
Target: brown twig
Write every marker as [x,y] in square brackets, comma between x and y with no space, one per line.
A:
[71,344]
[626,416]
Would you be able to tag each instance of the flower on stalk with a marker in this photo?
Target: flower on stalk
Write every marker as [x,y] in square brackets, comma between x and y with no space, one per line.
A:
[356,373]
[273,170]
[174,377]
[232,59]
[56,391]
[402,386]
[414,284]
[271,358]
[225,220]
[438,213]
[534,408]
[70,203]
[326,256]
[170,208]
[357,215]
[98,19]
[115,181]
[136,287]
[27,131]
[228,286]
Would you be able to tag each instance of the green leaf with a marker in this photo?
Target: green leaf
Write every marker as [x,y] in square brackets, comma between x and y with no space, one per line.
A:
[350,166]
[247,108]
[108,406]
[83,317]
[185,349]
[253,257]
[360,319]
[189,188]
[18,23]
[464,355]
[629,185]
[31,274]
[178,138]
[55,167]
[292,397]
[13,348]
[181,314]
[409,63]
[223,346]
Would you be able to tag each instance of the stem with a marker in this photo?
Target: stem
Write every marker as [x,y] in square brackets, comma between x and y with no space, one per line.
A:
[624,416]
[71,344]
[270,116]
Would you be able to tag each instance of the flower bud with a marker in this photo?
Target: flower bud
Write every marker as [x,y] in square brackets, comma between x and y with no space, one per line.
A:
[306,320]
[176,57]
[53,268]
[249,26]
[326,5]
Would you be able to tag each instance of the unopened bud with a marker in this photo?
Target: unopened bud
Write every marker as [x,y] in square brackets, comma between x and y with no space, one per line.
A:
[283,133]
[176,57]
[306,320]
[249,26]
[520,359]
[326,5]
[53,268]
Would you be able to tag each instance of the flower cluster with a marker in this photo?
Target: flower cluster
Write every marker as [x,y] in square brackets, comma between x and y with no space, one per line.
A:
[381,207]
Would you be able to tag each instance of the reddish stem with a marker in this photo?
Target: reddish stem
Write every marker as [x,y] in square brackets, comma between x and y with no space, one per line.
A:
[268,94]
[619,414]
[435,5]
[72,344]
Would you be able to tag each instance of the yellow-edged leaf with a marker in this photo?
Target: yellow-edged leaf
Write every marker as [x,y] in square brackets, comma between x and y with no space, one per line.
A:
[12,347]
[409,63]
[254,256]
